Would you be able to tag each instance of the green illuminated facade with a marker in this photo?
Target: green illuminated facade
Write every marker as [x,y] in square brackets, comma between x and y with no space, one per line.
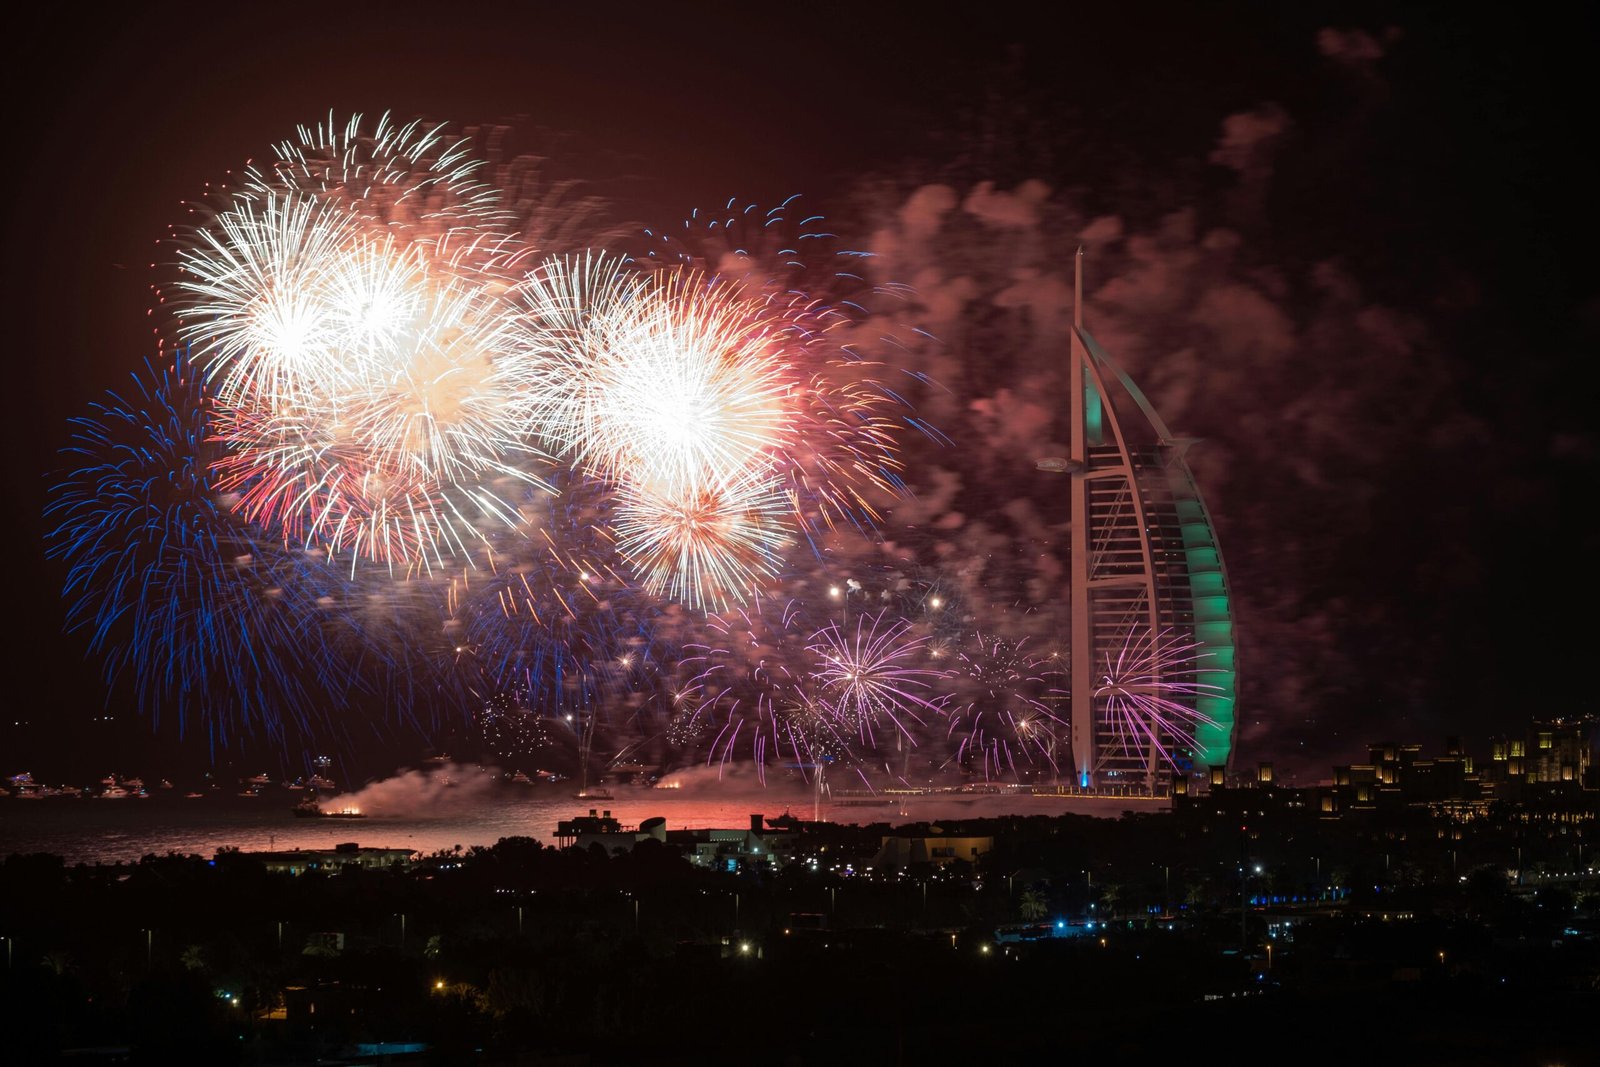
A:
[1149,592]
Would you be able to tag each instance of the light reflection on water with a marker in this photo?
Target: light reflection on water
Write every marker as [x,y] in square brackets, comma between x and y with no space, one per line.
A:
[92,830]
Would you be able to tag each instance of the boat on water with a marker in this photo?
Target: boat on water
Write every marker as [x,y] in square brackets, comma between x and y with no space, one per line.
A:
[593,794]
[310,809]
[43,792]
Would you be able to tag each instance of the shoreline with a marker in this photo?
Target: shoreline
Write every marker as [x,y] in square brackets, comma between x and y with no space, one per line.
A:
[93,833]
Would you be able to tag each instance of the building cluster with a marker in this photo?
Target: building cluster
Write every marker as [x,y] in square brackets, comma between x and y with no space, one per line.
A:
[1531,811]
[335,859]
[1547,773]
[782,840]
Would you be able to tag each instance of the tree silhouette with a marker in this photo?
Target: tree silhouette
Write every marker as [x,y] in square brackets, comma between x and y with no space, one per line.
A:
[1032,905]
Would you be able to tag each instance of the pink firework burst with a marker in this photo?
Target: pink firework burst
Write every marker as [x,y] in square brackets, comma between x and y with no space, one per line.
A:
[749,690]
[1147,694]
[867,676]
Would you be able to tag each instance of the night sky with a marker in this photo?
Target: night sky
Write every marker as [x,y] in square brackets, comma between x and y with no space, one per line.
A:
[1349,246]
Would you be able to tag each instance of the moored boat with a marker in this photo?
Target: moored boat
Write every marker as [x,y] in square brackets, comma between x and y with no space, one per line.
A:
[310,809]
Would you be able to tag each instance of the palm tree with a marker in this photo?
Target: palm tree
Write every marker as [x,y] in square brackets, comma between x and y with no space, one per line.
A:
[1032,905]
[1109,894]
[58,962]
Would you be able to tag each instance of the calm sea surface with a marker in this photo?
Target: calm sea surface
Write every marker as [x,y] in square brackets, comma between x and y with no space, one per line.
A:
[91,830]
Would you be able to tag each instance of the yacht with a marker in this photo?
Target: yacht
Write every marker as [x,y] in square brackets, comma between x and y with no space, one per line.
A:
[310,809]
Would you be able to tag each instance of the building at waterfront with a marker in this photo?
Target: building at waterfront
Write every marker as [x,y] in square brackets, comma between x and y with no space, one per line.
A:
[335,859]
[728,849]
[1153,672]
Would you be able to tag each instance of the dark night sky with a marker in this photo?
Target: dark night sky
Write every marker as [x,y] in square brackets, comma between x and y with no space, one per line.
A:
[1470,209]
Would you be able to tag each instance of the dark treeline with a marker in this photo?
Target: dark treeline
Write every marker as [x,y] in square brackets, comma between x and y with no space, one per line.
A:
[521,952]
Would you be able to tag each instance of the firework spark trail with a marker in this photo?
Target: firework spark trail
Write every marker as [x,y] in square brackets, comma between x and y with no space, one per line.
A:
[551,613]
[388,383]
[404,454]
[1143,687]
[1000,713]
[718,413]
[603,658]
[348,308]
[409,178]
[178,595]
[685,387]
[703,546]
[868,679]
[511,728]
[817,296]
[750,682]
[253,301]
[669,390]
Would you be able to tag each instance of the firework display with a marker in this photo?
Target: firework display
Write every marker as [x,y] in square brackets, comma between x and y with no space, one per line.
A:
[867,676]
[201,615]
[362,391]
[1140,691]
[1003,711]
[747,694]
[417,449]
[727,423]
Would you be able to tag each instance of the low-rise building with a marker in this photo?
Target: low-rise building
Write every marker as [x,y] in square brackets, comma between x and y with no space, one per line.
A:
[333,860]
[922,843]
